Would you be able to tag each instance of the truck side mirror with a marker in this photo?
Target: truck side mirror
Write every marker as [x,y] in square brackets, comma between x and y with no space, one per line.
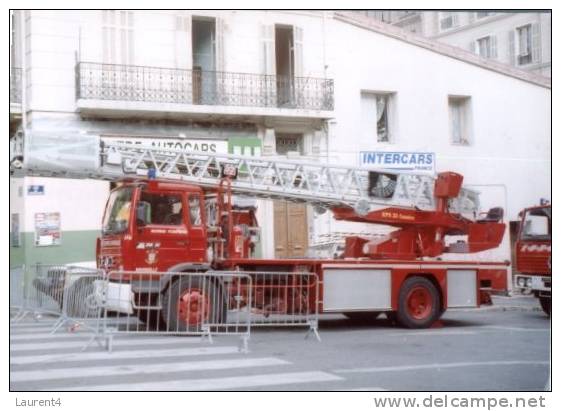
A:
[142,214]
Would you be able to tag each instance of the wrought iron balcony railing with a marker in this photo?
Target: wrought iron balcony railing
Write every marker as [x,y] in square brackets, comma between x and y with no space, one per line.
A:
[166,85]
[15,85]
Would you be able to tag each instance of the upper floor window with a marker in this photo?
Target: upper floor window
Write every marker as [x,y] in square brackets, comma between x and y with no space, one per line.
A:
[118,36]
[525,44]
[378,113]
[448,20]
[524,35]
[486,47]
[460,119]
[483,14]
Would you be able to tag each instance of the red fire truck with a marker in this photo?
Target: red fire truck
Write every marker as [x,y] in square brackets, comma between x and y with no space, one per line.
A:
[179,212]
[533,254]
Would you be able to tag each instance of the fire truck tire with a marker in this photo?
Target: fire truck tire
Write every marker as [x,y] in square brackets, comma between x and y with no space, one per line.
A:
[186,305]
[545,302]
[362,316]
[419,303]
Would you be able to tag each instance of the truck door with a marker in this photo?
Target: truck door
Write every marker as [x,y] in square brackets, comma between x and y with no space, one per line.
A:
[163,237]
[197,230]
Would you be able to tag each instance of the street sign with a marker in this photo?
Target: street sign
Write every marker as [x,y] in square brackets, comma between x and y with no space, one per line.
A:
[36,190]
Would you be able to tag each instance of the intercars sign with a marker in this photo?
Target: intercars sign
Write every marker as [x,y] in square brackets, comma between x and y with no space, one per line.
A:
[398,160]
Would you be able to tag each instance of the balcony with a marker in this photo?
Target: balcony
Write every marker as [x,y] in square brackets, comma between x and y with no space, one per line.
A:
[15,93]
[122,90]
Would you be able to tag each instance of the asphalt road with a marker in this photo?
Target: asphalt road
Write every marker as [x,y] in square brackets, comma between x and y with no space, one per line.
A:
[503,348]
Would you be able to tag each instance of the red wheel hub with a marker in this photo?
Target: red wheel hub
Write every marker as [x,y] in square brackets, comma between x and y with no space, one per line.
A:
[419,303]
[193,307]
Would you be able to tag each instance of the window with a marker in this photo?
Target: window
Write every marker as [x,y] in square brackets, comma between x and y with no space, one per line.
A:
[537,224]
[286,143]
[377,115]
[486,47]
[459,119]
[163,209]
[483,14]
[118,36]
[195,210]
[382,131]
[117,213]
[15,231]
[448,20]
[524,36]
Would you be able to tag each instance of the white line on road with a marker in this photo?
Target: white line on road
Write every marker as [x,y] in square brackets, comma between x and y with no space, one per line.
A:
[47,335]
[432,333]
[518,329]
[142,369]
[23,346]
[119,355]
[438,366]
[239,382]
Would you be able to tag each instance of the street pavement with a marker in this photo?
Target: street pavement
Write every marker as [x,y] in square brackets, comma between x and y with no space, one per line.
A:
[504,347]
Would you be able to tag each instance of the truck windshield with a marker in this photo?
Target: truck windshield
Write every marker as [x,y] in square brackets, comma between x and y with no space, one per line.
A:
[537,224]
[117,214]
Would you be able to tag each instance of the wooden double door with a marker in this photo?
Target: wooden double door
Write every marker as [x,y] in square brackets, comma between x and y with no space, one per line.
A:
[291,229]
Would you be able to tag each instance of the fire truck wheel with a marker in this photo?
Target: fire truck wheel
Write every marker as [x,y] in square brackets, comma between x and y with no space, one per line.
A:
[362,316]
[545,302]
[419,303]
[190,303]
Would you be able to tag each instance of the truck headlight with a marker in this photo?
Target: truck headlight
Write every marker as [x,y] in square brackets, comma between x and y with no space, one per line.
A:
[521,282]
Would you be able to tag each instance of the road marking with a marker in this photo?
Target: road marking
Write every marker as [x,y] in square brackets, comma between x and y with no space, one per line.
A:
[362,389]
[142,369]
[438,366]
[518,329]
[33,346]
[19,338]
[429,333]
[30,331]
[118,355]
[261,380]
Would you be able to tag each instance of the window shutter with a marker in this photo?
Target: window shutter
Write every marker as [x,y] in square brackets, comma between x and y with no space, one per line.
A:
[298,52]
[268,40]
[183,51]
[219,45]
[130,37]
[511,47]
[493,50]
[536,43]
[471,17]
[106,41]
[472,47]
[454,19]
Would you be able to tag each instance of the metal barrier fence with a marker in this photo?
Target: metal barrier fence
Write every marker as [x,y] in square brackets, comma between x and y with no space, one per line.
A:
[176,303]
[285,299]
[60,291]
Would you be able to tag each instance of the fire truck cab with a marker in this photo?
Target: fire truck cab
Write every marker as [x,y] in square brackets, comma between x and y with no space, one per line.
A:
[533,254]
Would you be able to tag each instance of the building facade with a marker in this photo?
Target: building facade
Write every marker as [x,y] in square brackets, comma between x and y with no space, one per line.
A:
[291,84]
[520,39]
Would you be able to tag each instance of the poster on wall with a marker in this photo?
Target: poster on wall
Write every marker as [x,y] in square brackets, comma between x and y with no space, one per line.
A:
[15,233]
[47,229]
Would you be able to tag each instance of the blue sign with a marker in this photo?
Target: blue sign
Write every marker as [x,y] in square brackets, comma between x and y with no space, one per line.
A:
[398,160]
[36,190]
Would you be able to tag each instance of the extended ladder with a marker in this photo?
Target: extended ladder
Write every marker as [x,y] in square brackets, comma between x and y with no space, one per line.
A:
[322,185]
